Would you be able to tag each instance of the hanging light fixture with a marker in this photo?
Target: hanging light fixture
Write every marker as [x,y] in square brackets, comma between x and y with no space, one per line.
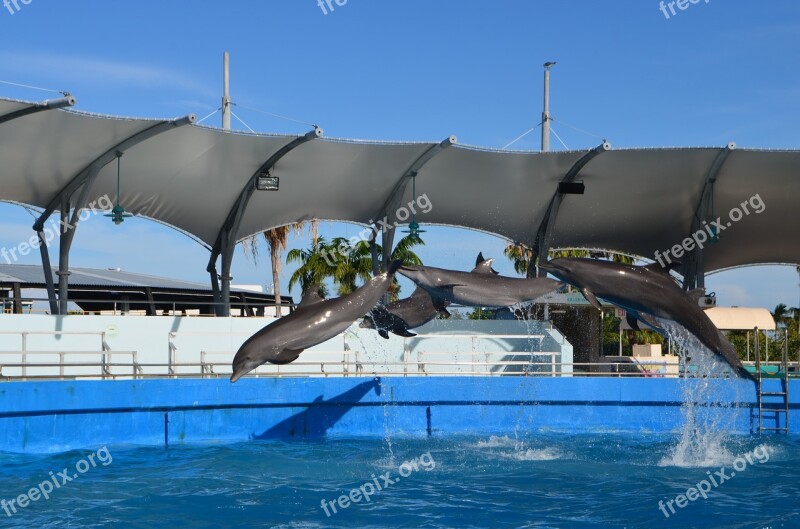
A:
[413,226]
[118,213]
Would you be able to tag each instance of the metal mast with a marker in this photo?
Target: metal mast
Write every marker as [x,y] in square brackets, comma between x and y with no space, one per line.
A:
[226,92]
[546,111]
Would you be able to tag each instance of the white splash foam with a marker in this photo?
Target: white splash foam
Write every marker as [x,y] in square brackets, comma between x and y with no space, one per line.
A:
[533,454]
[496,442]
[705,429]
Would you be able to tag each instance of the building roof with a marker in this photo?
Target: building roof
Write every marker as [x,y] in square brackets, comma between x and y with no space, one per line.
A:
[637,201]
[741,318]
[97,290]
[31,276]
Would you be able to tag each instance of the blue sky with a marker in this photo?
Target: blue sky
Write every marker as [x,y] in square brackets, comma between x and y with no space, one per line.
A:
[416,70]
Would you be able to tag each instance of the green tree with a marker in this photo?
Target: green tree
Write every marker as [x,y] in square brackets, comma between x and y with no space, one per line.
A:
[314,269]
[277,239]
[522,255]
[344,263]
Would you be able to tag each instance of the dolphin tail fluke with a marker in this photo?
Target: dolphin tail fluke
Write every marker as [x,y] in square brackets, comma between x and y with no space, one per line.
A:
[745,374]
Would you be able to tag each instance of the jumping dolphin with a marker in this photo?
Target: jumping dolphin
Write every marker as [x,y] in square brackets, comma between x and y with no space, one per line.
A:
[400,316]
[314,321]
[480,288]
[646,292]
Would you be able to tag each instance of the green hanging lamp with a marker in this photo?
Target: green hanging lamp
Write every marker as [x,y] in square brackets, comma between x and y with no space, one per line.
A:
[413,226]
[118,213]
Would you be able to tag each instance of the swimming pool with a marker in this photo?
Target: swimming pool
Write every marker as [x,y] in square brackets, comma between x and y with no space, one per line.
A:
[521,480]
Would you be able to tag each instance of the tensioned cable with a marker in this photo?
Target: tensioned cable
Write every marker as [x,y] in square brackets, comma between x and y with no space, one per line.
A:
[559,137]
[578,129]
[241,121]
[35,88]
[515,140]
[275,115]
[208,116]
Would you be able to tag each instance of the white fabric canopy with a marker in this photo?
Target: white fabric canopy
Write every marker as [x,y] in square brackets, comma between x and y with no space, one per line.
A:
[189,177]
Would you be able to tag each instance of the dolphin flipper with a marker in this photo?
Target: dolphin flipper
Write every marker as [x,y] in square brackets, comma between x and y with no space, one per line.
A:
[287,356]
[633,319]
[384,334]
[590,297]
[656,267]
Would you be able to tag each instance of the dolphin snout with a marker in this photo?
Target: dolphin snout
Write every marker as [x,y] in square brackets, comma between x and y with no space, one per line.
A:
[241,365]
[548,266]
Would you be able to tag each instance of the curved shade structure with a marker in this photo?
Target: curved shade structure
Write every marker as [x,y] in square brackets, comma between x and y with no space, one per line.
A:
[190,177]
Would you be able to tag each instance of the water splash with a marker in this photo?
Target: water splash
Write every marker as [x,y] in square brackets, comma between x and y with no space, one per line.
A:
[387,427]
[534,454]
[706,423]
[522,312]
[495,441]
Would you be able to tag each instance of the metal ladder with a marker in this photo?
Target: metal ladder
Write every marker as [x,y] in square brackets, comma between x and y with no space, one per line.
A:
[760,393]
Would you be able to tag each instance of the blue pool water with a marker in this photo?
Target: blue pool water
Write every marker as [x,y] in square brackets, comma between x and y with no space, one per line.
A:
[523,480]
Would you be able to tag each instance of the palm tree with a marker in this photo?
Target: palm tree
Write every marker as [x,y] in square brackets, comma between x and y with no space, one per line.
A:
[781,315]
[277,239]
[521,255]
[344,263]
[314,268]
[403,251]
[353,263]
[314,232]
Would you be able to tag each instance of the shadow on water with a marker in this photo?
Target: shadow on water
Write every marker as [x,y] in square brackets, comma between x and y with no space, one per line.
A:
[321,415]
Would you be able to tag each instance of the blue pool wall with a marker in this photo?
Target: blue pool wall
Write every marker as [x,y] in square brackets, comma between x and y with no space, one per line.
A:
[42,417]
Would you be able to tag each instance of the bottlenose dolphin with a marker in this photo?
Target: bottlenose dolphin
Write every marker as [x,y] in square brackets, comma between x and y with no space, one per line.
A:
[646,292]
[480,288]
[314,321]
[400,316]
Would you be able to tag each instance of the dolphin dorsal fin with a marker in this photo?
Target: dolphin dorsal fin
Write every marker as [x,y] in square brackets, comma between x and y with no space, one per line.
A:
[483,265]
[484,268]
[311,296]
[656,267]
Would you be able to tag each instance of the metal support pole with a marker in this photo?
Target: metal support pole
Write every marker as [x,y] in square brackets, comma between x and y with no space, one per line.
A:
[226,92]
[48,273]
[63,259]
[546,110]
[17,295]
[758,377]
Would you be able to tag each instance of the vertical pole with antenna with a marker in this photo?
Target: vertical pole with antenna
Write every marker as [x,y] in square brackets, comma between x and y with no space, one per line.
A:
[226,92]
[225,292]
[546,111]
